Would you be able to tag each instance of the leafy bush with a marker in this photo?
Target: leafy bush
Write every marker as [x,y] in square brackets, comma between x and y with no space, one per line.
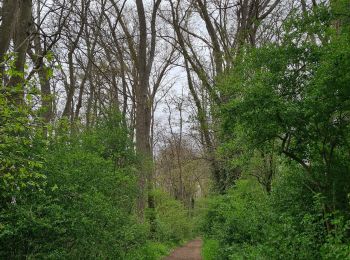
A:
[237,219]
[246,223]
[174,224]
[24,206]
[210,249]
[337,245]
[95,197]
[84,209]
[149,251]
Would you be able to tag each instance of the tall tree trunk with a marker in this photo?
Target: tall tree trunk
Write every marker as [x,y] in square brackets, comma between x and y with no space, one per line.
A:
[9,13]
[21,42]
[143,114]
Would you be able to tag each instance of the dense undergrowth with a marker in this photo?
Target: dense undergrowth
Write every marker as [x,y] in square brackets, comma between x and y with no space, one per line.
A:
[71,196]
[247,223]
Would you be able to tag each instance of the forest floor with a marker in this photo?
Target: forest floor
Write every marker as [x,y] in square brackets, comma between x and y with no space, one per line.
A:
[190,251]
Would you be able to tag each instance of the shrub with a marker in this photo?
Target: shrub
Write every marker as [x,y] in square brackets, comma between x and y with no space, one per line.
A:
[84,209]
[174,224]
[239,218]
[210,249]
[288,224]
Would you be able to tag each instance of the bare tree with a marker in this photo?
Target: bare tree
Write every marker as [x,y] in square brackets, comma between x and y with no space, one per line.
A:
[230,26]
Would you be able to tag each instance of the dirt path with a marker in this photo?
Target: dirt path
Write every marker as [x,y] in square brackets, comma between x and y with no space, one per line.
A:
[190,251]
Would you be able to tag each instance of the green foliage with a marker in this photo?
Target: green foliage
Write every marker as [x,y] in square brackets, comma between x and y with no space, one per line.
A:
[21,178]
[150,251]
[20,158]
[174,224]
[210,249]
[95,192]
[73,196]
[84,208]
[337,245]
[290,100]
[288,224]
[237,219]
[296,94]
[293,98]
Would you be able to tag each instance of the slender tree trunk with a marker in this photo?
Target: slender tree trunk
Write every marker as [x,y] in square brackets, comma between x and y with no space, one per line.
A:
[43,74]
[46,96]
[68,109]
[218,54]
[90,102]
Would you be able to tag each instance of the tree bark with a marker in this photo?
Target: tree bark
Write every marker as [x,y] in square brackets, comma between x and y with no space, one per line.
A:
[21,42]
[9,13]
[144,112]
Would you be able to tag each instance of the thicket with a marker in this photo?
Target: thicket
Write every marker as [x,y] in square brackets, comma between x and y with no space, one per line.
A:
[71,194]
[247,223]
[285,125]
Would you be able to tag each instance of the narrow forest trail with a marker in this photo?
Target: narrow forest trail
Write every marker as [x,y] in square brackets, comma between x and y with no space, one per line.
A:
[190,251]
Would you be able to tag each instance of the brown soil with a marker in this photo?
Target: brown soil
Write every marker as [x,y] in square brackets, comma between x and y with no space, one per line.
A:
[190,251]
